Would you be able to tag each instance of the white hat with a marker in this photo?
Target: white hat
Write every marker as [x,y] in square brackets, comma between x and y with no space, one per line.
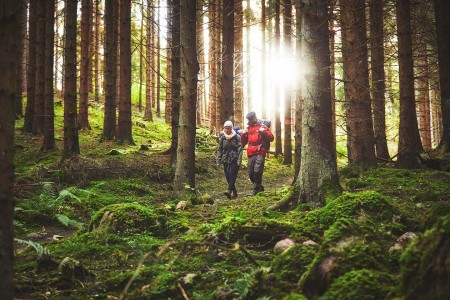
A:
[228,124]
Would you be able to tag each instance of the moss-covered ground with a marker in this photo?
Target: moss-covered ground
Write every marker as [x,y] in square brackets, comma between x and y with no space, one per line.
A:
[115,217]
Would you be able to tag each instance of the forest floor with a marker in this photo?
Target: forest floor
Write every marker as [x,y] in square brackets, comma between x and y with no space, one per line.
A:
[105,226]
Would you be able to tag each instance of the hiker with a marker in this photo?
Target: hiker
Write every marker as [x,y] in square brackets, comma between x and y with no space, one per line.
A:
[230,155]
[258,136]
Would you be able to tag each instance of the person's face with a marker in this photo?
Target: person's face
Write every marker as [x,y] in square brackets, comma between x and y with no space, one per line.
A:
[252,120]
[227,129]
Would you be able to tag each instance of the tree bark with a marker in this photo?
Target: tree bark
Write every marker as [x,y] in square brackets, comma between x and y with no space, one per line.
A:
[110,69]
[9,35]
[360,136]
[124,129]
[409,139]
[31,70]
[298,92]
[97,56]
[442,12]
[71,142]
[185,163]
[239,63]
[168,104]
[20,51]
[277,94]
[287,92]
[212,15]
[83,120]
[249,62]
[318,170]
[49,121]
[378,78]
[39,104]
[227,84]
[176,79]
[264,54]
[424,96]
[201,58]
[158,62]
[148,114]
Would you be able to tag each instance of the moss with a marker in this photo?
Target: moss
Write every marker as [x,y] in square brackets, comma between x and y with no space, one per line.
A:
[347,245]
[361,284]
[354,184]
[125,218]
[294,296]
[291,264]
[425,264]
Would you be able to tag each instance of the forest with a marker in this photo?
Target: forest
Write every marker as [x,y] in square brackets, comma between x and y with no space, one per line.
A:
[112,114]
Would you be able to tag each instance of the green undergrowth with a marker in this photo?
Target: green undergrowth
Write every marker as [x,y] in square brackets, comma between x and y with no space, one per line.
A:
[116,215]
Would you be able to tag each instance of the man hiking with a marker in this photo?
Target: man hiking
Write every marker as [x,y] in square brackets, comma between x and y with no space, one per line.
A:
[258,136]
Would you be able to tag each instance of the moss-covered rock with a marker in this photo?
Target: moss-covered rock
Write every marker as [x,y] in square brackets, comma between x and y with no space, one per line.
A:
[365,205]
[126,218]
[361,284]
[291,264]
[425,264]
[347,245]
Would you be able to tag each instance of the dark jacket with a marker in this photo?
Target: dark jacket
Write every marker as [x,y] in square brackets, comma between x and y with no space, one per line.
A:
[230,148]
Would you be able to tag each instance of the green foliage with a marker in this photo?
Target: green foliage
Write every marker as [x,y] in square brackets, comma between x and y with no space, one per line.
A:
[361,284]
[40,250]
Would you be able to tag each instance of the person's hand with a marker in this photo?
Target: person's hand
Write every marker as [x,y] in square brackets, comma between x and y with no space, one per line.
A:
[261,129]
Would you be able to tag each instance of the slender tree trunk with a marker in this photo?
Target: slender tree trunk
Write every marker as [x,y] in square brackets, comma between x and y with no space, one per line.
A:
[148,115]
[249,62]
[264,85]
[109,122]
[436,117]
[31,70]
[97,52]
[360,136]
[424,96]
[378,78]
[239,63]
[38,121]
[57,46]
[124,129]
[71,142]
[168,105]
[185,163]
[158,62]
[141,55]
[9,36]
[227,86]
[442,13]
[219,55]
[176,79]
[49,128]
[91,47]
[409,139]
[22,29]
[277,94]
[201,60]
[83,121]
[333,76]
[287,93]
[212,15]
[298,100]
[318,170]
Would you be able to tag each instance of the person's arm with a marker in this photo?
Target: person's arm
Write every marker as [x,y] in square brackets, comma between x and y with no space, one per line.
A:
[239,150]
[268,135]
[244,137]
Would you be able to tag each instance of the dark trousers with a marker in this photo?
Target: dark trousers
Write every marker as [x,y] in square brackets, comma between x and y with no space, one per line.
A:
[231,171]
[255,171]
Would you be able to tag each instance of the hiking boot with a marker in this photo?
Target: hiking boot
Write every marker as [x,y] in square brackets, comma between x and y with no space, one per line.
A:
[228,194]
[234,193]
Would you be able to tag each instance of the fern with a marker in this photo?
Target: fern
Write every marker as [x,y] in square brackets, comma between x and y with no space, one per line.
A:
[248,281]
[40,250]
[66,221]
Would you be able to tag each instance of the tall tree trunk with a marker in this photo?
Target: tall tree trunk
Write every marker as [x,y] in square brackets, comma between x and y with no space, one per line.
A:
[287,92]
[185,164]
[57,46]
[298,92]
[212,51]
[31,70]
[158,62]
[168,104]
[424,96]
[318,170]
[219,55]
[226,101]
[124,128]
[49,128]
[239,63]
[9,35]
[332,74]
[277,94]
[83,121]
[71,142]
[360,136]
[176,79]
[436,116]
[97,56]
[148,115]
[38,121]
[110,69]
[22,30]
[264,54]
[409,139]
[378,78]
[248,60]
[442,12]
[201,60]
[141,55]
